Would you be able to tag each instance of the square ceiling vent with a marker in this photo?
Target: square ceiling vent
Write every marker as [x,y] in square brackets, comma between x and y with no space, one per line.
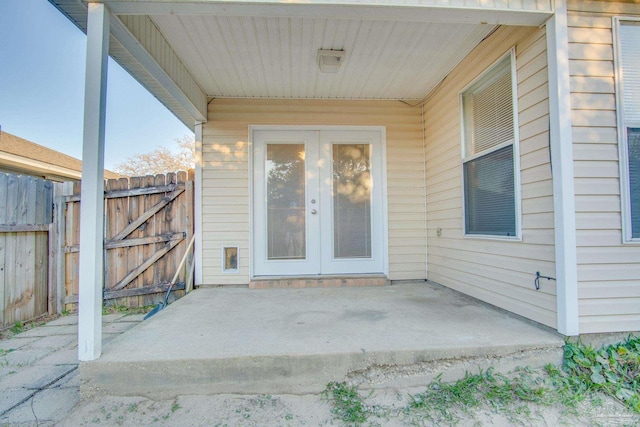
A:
[329,60]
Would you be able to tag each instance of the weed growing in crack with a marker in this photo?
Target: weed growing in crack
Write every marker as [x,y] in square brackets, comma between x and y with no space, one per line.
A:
[4,352]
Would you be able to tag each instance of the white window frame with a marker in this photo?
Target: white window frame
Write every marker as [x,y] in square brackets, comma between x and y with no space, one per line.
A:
[516,150]
[623,147]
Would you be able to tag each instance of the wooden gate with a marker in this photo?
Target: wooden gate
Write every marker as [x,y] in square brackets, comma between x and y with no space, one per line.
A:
[26,216]
[148,224]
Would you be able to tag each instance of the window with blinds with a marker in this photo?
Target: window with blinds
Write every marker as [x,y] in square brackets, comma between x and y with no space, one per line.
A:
[628,80]
[489,158]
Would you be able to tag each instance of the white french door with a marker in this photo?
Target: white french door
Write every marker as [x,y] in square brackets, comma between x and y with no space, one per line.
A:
[317,202]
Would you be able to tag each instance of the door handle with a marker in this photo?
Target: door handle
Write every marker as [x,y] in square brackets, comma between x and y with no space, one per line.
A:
[313,211]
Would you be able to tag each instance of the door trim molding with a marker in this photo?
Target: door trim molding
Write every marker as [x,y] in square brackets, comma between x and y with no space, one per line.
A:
[384,208]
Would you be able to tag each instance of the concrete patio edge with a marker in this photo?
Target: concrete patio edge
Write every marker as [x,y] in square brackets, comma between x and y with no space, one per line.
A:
[295,341]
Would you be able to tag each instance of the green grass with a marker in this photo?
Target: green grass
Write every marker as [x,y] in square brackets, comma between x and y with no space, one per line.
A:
[510,396]
[17,328]
[586,375]
[347,404]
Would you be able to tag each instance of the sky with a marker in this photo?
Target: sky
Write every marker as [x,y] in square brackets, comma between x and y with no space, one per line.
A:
[42,66]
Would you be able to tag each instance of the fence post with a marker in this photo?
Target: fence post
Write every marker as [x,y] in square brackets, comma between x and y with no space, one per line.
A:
[52,276]
[54,253]
[189,198]
[58,288]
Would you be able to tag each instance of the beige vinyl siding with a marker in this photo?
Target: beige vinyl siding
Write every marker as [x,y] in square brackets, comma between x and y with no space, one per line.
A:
[500,272]
[608,271]
[226,175]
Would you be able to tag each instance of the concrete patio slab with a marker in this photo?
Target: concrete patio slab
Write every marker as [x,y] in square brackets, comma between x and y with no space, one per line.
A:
[236,340]
[108,318]
[131,318]
[67,356]
[63,321]
[10,397]
[46,331]
[46,407]
[55,342]
[16,343]
[36,377]
[25,357]
[116,327]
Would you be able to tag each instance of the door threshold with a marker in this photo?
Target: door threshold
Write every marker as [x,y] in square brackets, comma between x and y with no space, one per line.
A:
[300,282]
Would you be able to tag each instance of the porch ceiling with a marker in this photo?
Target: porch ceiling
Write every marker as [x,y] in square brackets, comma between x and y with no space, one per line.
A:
[184,51]
[275,57]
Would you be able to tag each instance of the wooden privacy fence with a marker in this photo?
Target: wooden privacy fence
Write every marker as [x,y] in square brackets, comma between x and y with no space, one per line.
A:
[148,224]
[26,244]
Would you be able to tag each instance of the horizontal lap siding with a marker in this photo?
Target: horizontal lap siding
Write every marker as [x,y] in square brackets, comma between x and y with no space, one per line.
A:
[226,175]
[608,271]
[499,272]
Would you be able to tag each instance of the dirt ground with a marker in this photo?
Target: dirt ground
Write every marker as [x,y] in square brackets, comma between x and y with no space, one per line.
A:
[314,410]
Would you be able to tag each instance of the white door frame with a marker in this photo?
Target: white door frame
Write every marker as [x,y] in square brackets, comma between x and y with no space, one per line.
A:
[384,204]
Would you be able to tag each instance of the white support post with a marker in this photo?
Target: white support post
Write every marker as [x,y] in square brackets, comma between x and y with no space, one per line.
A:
[92,196]
[563,176]
[198,204]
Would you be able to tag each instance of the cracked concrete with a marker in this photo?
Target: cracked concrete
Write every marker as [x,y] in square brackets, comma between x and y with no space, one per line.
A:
[39,370]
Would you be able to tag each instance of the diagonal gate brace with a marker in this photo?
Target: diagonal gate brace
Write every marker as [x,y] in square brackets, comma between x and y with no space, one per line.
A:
[148,214]
[146,264]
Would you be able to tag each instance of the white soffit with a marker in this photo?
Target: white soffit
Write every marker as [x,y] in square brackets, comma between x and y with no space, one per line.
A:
[276,57]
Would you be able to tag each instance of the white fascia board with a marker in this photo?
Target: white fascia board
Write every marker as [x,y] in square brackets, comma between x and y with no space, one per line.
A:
[345,10]
[196,108]
[562,171]
[36,166]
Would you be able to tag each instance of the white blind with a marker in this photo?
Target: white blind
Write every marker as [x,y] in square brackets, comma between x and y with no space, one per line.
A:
[630,38]
[633,137]
[489,194]
[488,110]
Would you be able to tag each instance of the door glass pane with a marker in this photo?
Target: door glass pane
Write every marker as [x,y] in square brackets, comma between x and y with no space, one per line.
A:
[351,200]
[285,172]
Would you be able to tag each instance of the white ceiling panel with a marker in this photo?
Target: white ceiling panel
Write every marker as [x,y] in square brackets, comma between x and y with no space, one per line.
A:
[243,56]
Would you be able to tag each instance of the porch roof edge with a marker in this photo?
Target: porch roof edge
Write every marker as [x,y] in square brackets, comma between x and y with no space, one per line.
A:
[529,14]
[180,93]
